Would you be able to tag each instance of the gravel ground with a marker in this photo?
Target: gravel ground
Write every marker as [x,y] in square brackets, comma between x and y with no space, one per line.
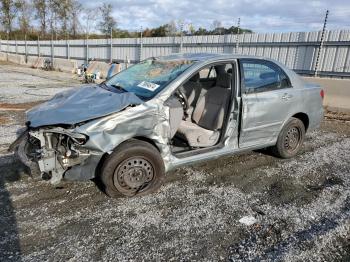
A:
[301,207]
[23,85]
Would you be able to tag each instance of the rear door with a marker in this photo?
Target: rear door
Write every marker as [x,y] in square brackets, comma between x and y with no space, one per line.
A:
[266,99]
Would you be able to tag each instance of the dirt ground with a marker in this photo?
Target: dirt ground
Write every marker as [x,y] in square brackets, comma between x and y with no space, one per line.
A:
[301,205]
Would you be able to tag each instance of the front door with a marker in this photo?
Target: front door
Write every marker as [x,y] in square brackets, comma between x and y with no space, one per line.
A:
[266,99]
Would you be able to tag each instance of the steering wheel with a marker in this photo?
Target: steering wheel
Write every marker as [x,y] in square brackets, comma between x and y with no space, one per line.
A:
[181,94]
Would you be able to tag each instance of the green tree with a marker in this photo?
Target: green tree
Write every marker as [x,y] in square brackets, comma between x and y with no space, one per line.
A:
[191,29]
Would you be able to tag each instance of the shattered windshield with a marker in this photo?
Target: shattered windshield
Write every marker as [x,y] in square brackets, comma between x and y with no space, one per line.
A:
[148,77]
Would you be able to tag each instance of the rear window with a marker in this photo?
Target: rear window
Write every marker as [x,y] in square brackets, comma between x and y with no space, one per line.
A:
[263,75]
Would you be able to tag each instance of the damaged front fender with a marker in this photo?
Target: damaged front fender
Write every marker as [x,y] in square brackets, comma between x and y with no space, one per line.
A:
[75,153]
[149,120]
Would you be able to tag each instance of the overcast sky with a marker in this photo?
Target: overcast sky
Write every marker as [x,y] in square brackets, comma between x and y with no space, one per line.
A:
[258,15]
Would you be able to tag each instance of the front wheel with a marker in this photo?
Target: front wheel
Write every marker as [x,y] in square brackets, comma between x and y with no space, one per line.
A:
[134,168]
[290,139]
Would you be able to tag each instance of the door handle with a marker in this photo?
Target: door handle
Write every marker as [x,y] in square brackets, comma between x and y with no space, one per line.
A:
[286,96]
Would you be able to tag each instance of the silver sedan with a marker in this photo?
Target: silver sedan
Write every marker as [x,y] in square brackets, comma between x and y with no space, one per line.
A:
[166,112]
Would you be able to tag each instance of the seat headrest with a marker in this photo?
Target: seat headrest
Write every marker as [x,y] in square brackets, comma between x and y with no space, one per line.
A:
[229,71]
[195,78]
[223,80]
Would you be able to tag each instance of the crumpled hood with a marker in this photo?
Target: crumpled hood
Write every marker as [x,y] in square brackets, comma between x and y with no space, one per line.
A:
[78,105]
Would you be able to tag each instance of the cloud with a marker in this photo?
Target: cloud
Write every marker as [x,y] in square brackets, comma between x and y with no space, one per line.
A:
[260,16]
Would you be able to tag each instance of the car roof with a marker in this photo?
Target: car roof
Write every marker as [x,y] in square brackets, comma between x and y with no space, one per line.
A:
[206,56]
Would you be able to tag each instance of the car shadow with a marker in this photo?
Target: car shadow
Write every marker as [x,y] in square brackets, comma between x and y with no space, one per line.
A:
[10,171]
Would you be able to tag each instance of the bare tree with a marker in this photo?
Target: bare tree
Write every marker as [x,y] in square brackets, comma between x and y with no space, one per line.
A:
[8,13]
[64,12]
[172,28]
[107,22]
[216,24]
[75,13]
[25,15]
[54,9]
[41,8]
[88,20]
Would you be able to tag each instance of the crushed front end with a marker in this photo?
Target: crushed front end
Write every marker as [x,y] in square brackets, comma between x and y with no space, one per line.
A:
[51,151]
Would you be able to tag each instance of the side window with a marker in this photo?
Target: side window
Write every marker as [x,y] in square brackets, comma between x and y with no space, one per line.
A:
[262,76]
[207,73]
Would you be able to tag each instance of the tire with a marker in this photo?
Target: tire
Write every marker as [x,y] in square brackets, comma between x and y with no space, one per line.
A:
[290,139]
[135,168]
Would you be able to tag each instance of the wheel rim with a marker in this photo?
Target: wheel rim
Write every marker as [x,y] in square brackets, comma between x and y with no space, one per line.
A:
[133,175]
[292,139]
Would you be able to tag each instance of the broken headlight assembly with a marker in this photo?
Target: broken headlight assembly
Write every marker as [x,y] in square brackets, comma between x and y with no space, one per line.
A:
[52,151]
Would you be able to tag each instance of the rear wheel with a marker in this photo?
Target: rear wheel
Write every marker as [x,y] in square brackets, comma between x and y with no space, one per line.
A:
[134,168]
[290,139]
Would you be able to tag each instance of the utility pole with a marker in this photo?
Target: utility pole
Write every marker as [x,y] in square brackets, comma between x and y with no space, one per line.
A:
[111,47]
[181,35]
[321,44]
[238,29]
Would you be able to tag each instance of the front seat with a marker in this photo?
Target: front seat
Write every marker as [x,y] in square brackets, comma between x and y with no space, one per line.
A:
[203,129]
[192,88]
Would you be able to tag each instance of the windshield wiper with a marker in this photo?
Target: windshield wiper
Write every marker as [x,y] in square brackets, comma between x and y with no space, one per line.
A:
[119,88]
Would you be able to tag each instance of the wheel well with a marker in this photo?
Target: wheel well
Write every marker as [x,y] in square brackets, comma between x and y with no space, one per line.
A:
[148,140]
[105,155]
[304,118]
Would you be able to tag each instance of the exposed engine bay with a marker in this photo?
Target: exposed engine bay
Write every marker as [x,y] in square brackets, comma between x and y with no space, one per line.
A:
[52,151]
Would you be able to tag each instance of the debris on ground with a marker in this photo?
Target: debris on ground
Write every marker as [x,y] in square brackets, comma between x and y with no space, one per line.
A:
[248,220]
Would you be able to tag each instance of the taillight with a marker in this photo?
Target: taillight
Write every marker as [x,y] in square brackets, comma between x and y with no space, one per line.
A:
[322,93]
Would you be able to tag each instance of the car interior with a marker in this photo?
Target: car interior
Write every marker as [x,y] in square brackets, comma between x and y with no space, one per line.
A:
[199,107]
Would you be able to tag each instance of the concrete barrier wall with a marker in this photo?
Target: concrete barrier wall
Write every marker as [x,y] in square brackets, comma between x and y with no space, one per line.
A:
[18,59]
[100,67]
[3,56]
[337,93]
[65,65]
[35,62]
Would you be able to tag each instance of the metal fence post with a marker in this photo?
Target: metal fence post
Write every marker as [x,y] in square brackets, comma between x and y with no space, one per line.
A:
[16,47]
[52,51]
[87,51]
[38,47]
[68,49]
[25,48]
